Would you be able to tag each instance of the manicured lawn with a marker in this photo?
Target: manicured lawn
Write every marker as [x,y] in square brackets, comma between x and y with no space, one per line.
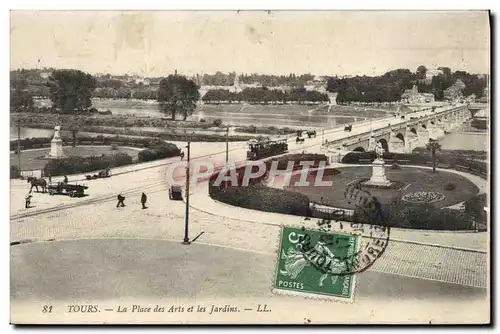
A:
[30,159]
[410,179]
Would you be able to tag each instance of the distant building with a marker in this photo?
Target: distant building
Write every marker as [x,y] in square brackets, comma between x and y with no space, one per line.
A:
[432,73]
[316,86]
[412,96]
[45,75]
[452,93]
[332,97]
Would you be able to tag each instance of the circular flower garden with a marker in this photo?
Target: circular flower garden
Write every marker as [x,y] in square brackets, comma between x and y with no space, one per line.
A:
[421,197]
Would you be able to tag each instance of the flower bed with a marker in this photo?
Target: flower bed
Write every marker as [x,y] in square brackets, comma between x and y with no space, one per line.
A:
[421,197]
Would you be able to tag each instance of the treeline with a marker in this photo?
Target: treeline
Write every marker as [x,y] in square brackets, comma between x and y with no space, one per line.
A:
[390,86]
[223,79]
[125,93]
[468,83]
[264,95]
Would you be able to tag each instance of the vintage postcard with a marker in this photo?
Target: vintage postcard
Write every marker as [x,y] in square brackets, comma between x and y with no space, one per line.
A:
[250,167]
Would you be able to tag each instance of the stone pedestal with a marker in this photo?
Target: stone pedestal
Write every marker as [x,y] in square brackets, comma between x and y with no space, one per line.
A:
[56,150]
[378,178]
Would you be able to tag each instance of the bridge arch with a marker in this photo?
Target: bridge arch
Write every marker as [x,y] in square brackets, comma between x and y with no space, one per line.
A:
[401,137]
[413,130]
[384,144]
[433,123]
[359,149]
[424,125]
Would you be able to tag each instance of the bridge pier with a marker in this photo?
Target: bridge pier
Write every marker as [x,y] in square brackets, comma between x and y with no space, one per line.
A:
[423,136]
[411,141]
[372,143]
[397,145]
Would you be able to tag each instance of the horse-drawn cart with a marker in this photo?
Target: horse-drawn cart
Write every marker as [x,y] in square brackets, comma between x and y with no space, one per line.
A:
[73,190]
[175,193]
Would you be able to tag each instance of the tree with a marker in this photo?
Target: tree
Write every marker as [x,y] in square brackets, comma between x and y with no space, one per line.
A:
[177,95]
[474,207]
[20,99]
[446,70]
[433,146]
[71,90]
[74,130]
[421,71]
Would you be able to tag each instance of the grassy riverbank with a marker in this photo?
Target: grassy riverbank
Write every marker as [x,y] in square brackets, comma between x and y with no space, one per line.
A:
[132,125]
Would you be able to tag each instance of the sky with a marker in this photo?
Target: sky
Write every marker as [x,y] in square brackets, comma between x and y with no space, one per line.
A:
[156,43]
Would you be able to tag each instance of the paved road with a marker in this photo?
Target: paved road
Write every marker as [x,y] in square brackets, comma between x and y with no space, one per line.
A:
[109,269]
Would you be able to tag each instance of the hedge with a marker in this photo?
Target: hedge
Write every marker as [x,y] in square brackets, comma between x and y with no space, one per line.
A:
[297,158]
[165,150]
[76,164]
[30,143]
[459,162]
[428,217]
[262,198]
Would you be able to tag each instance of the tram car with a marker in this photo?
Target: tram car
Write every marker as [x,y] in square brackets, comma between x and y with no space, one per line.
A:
[264,149]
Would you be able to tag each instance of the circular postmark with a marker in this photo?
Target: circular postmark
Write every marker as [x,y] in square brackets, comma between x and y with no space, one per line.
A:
[359,245]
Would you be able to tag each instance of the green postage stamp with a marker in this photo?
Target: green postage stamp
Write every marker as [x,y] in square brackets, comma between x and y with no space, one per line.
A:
[313,263]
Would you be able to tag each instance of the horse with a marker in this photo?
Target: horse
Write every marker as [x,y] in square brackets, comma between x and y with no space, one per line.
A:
[311,133]
[299,140]
[37,182]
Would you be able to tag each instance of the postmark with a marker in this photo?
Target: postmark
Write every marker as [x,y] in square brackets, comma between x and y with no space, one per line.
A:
[323,261]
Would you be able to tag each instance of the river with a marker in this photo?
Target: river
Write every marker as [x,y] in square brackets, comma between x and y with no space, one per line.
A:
[462,139]
[293,116]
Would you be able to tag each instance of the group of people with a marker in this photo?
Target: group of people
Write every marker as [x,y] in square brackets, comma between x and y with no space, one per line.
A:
[121,201]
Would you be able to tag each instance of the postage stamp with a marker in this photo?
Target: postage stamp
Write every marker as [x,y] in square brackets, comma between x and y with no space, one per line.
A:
[311,263]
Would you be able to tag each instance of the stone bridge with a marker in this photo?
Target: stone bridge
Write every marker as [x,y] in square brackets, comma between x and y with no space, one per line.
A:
[404,136]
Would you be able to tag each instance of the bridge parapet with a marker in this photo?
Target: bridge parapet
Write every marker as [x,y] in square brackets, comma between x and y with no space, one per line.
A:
[423,127]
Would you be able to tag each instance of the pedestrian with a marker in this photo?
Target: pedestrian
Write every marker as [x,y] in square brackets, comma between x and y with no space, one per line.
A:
[121,200]
[65,179]
[144,198]
[182,156]
[28,200]
[50,179]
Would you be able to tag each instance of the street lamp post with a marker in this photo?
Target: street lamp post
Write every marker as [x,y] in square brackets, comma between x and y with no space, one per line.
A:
[227,144]
[19,144]
[186,217]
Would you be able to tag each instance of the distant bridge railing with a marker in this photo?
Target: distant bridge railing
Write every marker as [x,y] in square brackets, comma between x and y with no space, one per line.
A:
[380,131]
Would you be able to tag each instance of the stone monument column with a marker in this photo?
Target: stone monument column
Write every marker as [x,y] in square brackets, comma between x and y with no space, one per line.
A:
[56,150]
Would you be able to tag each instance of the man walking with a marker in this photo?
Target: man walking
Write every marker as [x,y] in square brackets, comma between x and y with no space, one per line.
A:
[28,200]
[144,198]
[120,201]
